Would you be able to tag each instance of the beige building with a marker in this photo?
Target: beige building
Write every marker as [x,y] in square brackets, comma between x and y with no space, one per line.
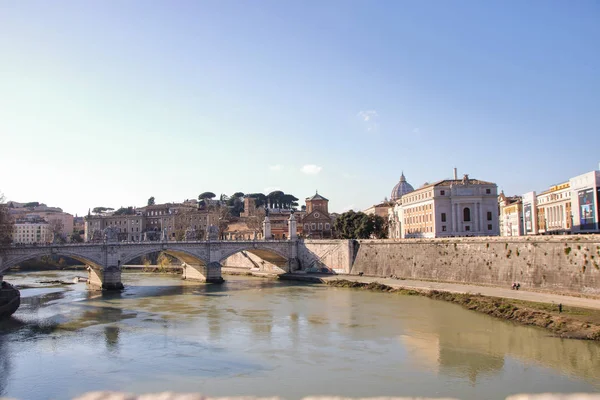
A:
[170,221]
[60,222]
[451,207]
[511,215]
[31,230]
[381,209]
[554,210]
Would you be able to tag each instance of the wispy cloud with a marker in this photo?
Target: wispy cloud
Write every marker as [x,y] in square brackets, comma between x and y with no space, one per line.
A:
[368,115]
[349,176]
[369,119]
[348,208]
[277,167]
[311,169]
[417,131]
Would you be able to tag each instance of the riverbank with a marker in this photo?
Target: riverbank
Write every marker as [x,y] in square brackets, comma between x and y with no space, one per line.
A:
[569,322]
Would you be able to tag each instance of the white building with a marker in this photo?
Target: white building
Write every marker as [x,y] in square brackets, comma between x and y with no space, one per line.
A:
[511,215]
[32,231]
[530,216]
[585,193]
[451,207]
[553,210]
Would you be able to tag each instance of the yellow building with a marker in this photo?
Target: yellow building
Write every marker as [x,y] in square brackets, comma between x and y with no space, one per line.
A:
[554,209]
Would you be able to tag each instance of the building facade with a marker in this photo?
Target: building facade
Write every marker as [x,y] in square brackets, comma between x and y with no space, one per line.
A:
[553,210]
[32,230]
[511,215]
[451,207]
[585,205]
[61,223]
[317,223]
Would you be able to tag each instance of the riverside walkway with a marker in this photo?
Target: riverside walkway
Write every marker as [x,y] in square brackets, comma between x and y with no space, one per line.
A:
[540,297]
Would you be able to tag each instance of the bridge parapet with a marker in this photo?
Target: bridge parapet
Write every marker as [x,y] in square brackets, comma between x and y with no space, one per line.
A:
[202,259]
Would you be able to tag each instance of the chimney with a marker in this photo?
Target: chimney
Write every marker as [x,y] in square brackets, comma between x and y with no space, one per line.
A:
[455,174]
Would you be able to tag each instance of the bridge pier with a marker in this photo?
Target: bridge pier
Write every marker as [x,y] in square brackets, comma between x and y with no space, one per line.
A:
[293,264]
[108,278]
[210,273]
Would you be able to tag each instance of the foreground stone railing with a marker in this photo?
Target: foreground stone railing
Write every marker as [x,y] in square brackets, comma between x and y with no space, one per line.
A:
[197,396]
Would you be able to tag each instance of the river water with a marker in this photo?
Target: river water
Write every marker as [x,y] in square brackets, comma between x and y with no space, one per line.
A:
[252,336]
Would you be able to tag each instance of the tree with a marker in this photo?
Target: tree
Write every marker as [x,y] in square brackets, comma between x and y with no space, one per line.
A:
[76,237]
[224,219]
[276,198]
[236,204]
[31,204]
[259,198]
[151,201]
[254,222]
[56,227]
[101,210]
[125,211]
[6,224]
[289,201]
[358,225]
[207,195]
[182,221]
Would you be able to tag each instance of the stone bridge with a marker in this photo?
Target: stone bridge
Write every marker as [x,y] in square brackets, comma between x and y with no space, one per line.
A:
[201,260]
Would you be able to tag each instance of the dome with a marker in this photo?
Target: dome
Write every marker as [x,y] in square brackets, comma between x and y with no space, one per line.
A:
[401,188]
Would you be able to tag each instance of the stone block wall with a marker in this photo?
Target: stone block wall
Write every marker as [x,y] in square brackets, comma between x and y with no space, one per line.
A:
[558,263]
[250,261]
[334,254]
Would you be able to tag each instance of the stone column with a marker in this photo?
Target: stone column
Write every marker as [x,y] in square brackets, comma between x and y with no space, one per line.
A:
[292,231]
[453,216]
[481,217]
[267,228]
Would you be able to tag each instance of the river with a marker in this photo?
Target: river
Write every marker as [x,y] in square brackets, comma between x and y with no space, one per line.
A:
[252,336]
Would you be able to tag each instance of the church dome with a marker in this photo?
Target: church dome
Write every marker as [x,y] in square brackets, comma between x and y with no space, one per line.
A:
[401,188]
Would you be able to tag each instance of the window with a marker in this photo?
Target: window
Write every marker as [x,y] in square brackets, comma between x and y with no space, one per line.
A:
[327,227]
[489,215]
[320,226]
[467,228]
[489,227]
[442,192]
[313,226]
[488,191]
[467,214]
[443,217]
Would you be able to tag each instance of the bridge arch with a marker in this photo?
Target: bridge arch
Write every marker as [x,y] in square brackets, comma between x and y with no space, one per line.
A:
[8,260]
[273,256]
[182,255]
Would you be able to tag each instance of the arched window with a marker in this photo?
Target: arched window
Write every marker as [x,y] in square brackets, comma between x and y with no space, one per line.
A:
[467,214]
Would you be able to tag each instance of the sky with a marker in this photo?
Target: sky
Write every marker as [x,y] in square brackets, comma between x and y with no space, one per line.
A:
[107,103]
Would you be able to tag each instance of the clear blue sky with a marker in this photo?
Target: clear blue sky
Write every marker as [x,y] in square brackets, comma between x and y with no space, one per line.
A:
[106,103]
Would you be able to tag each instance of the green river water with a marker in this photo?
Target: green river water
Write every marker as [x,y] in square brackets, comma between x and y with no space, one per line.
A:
[252,336]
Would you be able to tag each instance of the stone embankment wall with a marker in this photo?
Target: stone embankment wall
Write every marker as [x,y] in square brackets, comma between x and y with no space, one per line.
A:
[553,263]
[332,254]
[250,261]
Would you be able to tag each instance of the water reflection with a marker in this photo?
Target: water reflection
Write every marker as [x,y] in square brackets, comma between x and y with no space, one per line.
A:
[470,344]
[5,364]
[111,338]
[260,337]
